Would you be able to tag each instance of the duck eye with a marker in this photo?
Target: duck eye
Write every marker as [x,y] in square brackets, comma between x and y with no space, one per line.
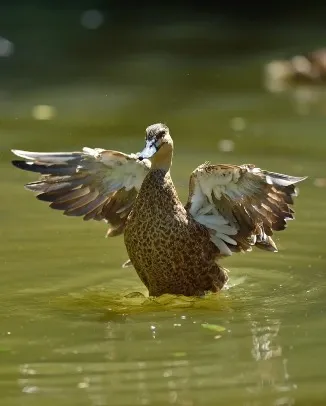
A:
[160,134]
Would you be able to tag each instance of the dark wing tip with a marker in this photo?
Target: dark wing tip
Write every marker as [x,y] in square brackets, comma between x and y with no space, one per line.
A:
[20,164]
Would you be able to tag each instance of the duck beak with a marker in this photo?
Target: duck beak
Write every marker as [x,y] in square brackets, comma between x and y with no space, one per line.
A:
[148,151]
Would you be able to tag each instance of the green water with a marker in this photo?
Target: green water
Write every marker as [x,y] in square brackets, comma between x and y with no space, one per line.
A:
[73,333]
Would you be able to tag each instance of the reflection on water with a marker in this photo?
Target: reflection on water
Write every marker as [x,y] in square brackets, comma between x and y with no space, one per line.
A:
[272,367]
[173,377]
[306,99]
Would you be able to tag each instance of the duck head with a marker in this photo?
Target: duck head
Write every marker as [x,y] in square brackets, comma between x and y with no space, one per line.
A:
[158,146]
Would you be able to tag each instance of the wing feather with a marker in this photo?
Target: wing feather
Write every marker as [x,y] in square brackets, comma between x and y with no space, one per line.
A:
[95,183]
[241,205]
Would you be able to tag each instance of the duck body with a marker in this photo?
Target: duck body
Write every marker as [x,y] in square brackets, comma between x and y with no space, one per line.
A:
[171,252]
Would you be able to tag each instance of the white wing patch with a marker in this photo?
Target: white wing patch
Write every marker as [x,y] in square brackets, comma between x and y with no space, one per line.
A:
[219,227]
[203,209]
[125,172]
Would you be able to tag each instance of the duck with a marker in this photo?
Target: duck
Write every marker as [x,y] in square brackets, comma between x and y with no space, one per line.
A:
[301,69]
[175,248]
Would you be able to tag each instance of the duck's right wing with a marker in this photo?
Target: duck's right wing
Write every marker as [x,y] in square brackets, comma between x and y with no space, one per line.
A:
[95,183]
[241,205]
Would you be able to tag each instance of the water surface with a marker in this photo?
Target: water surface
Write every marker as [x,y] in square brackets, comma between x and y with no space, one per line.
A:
[73,330]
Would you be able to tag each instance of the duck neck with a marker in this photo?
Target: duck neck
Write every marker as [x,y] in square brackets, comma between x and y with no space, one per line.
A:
[163,158]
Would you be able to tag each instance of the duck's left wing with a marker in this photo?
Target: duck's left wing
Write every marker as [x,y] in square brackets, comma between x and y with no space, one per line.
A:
[94,183]
[241,205]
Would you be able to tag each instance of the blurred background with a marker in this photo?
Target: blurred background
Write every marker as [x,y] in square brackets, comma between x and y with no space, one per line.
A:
[236,83]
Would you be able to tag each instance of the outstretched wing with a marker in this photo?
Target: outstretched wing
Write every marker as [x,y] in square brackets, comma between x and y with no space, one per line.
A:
[95,183]
[241,205]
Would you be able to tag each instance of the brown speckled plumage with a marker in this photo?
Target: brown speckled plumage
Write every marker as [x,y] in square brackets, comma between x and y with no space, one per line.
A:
[174,248]
[171,252]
